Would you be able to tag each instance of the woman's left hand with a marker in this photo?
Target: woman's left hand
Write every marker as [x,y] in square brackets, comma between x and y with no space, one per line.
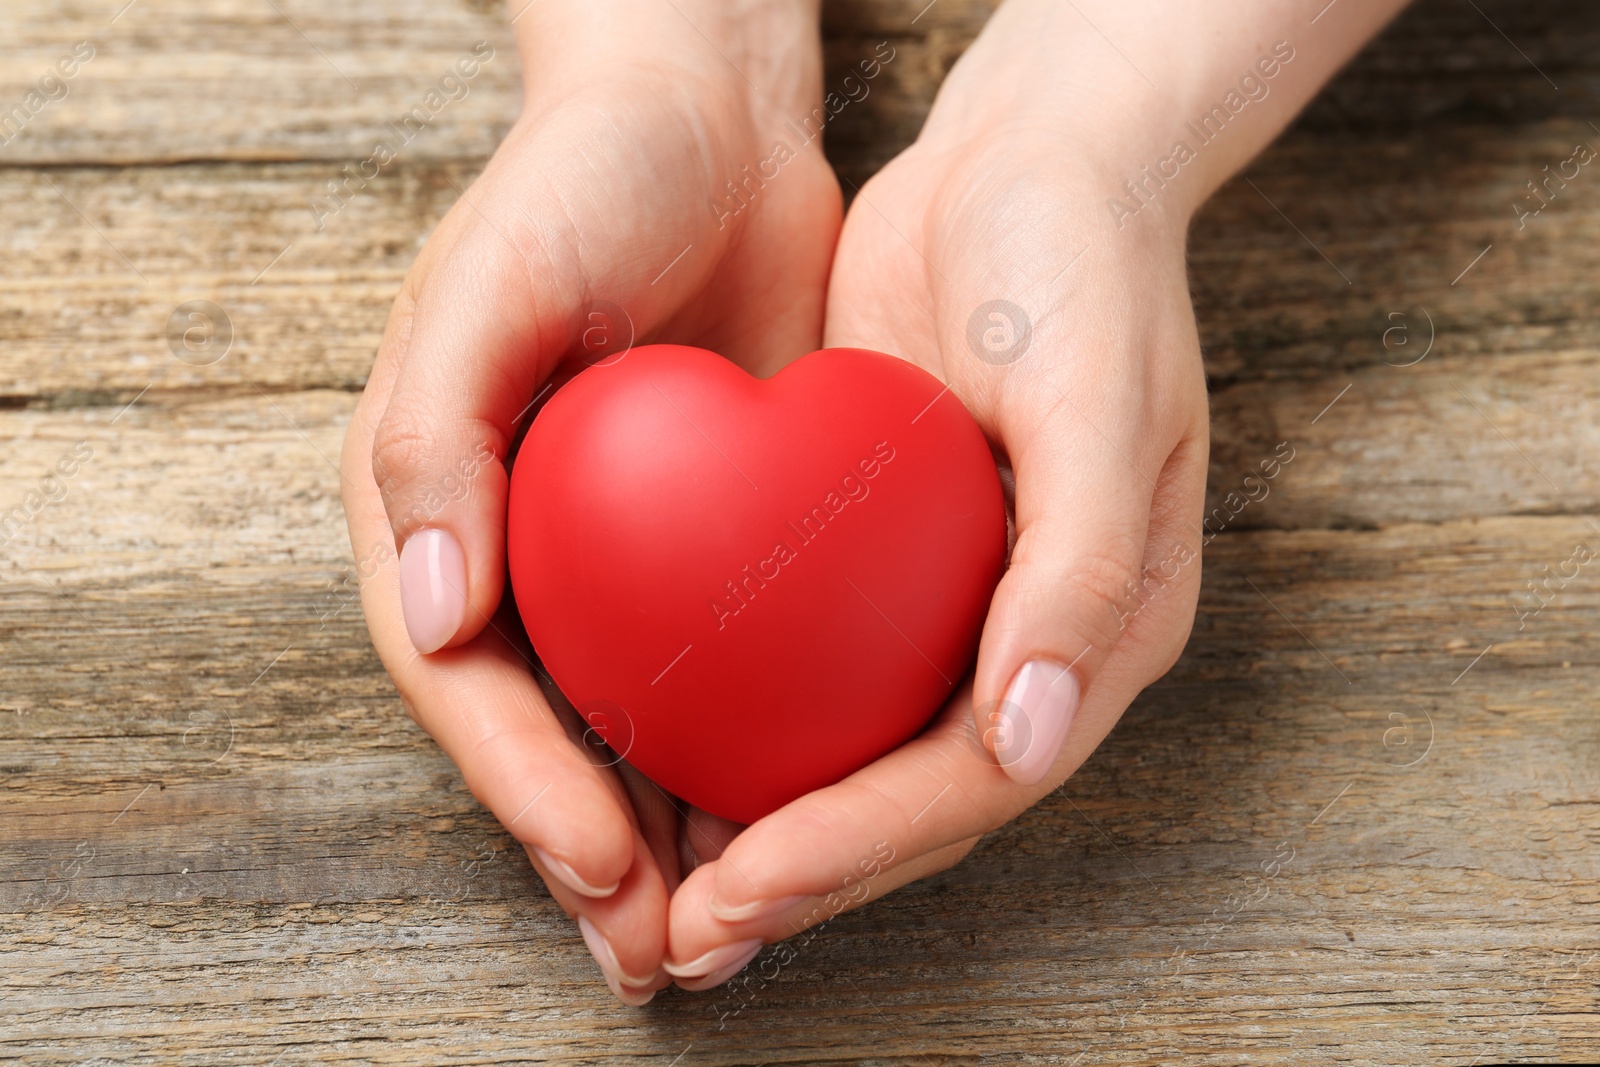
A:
[986,255]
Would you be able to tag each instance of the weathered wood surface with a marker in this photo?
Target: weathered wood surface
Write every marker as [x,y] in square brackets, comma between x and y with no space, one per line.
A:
[226,844]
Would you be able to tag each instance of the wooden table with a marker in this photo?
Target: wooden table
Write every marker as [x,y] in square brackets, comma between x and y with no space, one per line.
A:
[1357,823]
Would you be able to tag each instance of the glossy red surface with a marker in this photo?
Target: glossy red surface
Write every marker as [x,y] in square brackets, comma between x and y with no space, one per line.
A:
[753,588]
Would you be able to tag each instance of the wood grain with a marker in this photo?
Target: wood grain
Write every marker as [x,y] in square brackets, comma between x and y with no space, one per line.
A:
[1500,404]
[1357,823]
[1107,911]
[179,80]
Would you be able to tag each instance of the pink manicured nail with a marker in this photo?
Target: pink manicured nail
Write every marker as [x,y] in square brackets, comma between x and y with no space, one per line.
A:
[756,909]
[600,949]
[712,961]
[1034,719]
[634,998]
[723,973]
[433,588]
[570,879]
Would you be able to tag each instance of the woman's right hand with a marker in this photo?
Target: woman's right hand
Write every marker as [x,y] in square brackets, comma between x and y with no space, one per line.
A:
[605,218]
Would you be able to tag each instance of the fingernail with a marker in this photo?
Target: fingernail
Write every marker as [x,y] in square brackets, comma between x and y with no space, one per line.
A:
[756,909]
[433,588]
[723,973]
[570,879]
[634,998]
[600,949]
[1034,719]
[714,960]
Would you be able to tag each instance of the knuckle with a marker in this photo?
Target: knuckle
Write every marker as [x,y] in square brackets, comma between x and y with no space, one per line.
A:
[1159,630]
[399,450]
[1102,584]
[1102,578]
[1101,591]
[420,463]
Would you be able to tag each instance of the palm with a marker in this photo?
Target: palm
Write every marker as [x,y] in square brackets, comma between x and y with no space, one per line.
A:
[738,269]
[883,294]
[1101,415]
[595,212]
[750,276]
[938,236]
[762,305]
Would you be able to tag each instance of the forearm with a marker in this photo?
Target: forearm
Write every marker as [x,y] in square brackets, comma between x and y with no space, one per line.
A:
[1190,91]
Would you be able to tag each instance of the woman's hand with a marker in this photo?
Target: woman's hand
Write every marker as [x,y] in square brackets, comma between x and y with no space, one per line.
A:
[995,254]
[987,254]
[620,208]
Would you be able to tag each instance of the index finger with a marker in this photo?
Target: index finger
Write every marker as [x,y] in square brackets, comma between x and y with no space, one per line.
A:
[480,701]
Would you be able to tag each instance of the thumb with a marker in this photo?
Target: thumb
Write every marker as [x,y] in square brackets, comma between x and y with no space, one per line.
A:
[505,302]
[1083,514]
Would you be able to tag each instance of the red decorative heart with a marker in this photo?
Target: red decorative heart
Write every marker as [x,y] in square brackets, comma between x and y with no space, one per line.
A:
[751,589]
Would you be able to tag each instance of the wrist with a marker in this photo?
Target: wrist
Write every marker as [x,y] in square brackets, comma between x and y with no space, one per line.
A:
[767,50]
[1163,109]
[1041,82]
